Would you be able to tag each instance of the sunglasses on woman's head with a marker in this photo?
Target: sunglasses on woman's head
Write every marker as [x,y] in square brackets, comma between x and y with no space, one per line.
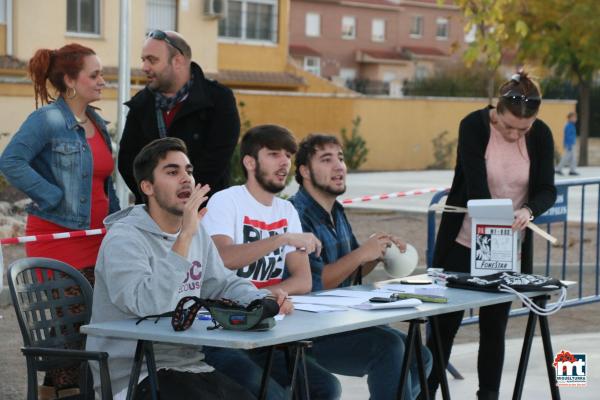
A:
[532,102]
[160,35]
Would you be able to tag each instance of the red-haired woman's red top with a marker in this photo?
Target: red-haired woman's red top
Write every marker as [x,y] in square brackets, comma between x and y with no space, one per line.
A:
[78,252]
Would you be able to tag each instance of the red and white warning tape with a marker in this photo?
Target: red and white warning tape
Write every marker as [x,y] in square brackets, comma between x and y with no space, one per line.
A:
[52,236]
[92,232]
[385,196]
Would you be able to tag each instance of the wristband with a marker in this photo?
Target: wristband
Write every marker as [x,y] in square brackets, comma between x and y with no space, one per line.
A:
[525,206]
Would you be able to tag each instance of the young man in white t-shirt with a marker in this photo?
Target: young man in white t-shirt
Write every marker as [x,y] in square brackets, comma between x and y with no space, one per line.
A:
[260,236]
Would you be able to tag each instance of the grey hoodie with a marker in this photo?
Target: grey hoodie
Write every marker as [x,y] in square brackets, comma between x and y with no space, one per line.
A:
[137,274]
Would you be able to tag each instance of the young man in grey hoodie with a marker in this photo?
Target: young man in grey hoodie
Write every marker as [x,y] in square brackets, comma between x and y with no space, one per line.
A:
[152,256]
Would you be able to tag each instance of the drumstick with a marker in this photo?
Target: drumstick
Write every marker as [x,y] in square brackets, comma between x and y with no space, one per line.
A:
[542,233]
[448,208]
[454,209]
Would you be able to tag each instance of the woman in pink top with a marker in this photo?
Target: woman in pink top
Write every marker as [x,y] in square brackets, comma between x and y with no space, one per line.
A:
[503,152]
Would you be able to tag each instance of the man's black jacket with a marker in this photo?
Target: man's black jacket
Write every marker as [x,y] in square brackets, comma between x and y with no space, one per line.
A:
[208,122]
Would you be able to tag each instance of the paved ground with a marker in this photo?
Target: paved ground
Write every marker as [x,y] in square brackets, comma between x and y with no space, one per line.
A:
[464,357]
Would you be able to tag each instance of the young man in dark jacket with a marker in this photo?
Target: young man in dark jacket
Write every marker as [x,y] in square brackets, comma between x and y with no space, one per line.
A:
[179,101]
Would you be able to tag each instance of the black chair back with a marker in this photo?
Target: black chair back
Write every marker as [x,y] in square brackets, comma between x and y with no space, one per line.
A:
[52,300]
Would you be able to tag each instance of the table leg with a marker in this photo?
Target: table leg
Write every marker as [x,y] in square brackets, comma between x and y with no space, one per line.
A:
[294,371]
[151,365]
[529,332]
[548,353]
[421,364]
[299,358]
[135,369]
[266,374]
[306,388]
[443,379]
[408,350]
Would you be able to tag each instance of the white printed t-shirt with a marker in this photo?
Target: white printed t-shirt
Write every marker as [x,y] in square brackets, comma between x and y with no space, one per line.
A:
[235,213]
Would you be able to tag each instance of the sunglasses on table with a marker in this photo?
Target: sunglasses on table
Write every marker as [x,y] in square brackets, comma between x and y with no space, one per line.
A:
[514,97]
[160,35]
[225,313]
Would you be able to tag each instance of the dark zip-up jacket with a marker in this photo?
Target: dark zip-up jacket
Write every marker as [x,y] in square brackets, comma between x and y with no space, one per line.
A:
[470,181]
[208,122]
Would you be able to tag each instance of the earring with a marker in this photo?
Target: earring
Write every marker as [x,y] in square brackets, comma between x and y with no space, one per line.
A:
[70,97]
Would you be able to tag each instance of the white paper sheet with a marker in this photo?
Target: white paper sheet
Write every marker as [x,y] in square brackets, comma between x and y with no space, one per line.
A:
[357,294]
[327,300]
[387,306]
[317,308]
[433,288]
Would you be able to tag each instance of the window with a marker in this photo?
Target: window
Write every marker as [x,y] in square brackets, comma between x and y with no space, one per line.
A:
[471,35]
[348,27]
[421,72]
[389,76]
[378,30]
[441,31]
[416,26]
[252,20]
[347,74]
[313,65]
[161,14]
[83,16]
[2,11]
[313,25]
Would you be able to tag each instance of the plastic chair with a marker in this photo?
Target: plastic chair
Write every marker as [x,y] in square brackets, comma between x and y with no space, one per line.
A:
[42,294]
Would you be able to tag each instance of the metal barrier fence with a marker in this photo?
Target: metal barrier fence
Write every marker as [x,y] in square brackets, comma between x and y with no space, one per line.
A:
[576,214]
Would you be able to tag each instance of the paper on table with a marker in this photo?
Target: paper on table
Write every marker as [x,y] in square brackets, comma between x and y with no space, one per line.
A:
[433,288]
[279,317]
[329,301]
[317,308]
[386,306]
[357,294]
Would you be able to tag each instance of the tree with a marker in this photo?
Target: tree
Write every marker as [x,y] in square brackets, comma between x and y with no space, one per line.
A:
[494,33]
[564,36]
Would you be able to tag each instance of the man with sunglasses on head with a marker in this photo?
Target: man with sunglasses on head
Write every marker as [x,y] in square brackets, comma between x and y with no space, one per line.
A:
[154,255]
[178,101]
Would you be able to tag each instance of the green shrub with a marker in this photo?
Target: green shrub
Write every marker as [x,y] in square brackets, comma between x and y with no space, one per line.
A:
[443,151]
[236,173]
[355,147]
[453,81]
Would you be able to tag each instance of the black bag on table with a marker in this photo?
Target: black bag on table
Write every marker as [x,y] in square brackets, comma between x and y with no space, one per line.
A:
[501,280]
[515,283]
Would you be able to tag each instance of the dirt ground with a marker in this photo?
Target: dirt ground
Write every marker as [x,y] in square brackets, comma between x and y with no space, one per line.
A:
[409,226]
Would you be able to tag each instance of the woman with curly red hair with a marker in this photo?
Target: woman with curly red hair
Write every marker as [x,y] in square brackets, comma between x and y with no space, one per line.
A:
[61,157]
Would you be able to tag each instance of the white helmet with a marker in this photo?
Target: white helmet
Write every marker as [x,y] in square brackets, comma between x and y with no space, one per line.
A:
[398,264]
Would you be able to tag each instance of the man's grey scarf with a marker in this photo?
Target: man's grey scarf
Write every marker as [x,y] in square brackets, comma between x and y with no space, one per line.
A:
[163,103]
